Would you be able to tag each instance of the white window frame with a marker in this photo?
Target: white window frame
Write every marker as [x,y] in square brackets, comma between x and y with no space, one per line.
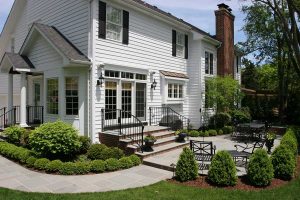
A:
[72,96]
[165,81]
[48,97]
[209,63]
[180,45]
[175,87]
[110,22]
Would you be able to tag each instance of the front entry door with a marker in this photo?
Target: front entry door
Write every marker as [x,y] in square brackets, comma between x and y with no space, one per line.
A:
[141,101]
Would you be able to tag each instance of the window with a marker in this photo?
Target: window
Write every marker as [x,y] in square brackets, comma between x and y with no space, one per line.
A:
[114,24]
[209,63]
[71,96]
[180,44]
[52,96]
[141,77]
[175,91]
[127,75]
[110,100]
[112,74]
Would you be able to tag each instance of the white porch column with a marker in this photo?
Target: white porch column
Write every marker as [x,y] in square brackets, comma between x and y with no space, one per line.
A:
[23,121]
[10,97]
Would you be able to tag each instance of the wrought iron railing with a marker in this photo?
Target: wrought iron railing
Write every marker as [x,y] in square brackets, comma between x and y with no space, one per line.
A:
[166,116]
[8,118]
[124,124]
[35,115]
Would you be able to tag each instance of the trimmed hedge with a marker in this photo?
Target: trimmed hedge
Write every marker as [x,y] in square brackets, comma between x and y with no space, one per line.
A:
[41,163]
[194,133]
[135,160]
[227,130]
[98,166]
[260,170]
[112,164]
[125,163]
[102,152]
[54,166]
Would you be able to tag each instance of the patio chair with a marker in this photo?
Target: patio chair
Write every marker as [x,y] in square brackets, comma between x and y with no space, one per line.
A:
[204,152]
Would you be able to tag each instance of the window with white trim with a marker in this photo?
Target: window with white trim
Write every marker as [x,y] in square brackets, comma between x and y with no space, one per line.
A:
[180,44]
[52,96]
[71,96]
[114,24]
[175,91]
[209,63]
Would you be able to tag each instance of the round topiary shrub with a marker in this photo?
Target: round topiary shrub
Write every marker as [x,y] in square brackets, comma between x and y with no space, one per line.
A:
[54,166]
[98,166]
[260,170]
[135,160]
[85,143]
[283,161]
[194,133]
[14,134]
[222,170]
[68,168]
[30,161]
[55,140]
[212,132]
[125,163]
[220,132]
[187,167]
[82,167]
[220,120]
[97,151]
[205,134]
[112,164]
[41,163]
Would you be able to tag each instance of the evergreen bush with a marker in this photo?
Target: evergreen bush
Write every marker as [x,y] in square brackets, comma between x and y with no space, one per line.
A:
[187,167]
[98,166]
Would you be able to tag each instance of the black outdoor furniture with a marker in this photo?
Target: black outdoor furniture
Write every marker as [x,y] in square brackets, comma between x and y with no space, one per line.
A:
[249,131]
[204,152]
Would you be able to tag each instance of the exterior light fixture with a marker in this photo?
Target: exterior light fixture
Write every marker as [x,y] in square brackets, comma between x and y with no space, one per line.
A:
[100,80]
[153,85]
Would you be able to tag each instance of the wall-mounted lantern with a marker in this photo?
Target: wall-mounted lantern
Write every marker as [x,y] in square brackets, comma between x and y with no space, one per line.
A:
[101,78]
[154,84]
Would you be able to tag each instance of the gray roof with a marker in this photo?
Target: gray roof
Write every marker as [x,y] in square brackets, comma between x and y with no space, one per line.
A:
[61,43]
[174,74]
[18,61]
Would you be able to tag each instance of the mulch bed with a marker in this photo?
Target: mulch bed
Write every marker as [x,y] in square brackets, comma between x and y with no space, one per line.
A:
[242,184]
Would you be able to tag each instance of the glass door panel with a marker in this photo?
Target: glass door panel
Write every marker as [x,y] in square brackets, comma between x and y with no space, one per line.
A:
[110,100]
[141,101]
[126,99]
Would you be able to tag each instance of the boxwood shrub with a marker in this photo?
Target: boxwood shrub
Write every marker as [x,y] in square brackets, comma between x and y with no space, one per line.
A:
[194,133]
[125,163]
[54,166]
[219,120]
[102,152]
[187,167]
[222,170]
[112,164]
[41,163]
[283,161]
[260,170]
[212,132]
[14,134]
[68,168]
[85,143]
[289,139]
[227,129]
[30,161]
[98,166]
[82,167]
[135,160]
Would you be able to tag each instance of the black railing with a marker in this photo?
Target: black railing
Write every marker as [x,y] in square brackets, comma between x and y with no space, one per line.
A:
[124,124]
[35,115]
[8,118]
[166,116]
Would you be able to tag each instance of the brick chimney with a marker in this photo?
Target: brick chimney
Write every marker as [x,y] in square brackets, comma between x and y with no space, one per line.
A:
[225,33]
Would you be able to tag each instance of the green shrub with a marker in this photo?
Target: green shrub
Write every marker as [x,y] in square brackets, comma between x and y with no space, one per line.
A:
[283,161]
[194,133]
[54,166]
[125,163]
[82,167]
[82,158]
[112,164]
[41,163]
[241,116]
[85,143]
[220,132]
[115,152]
[212,132]
[222,170]
[187,167]
[260,170]
[55,140]
[205,134]
[14,152]
[96,152]
[24,140]
[24,155]
[68,168]
[289,139]
[227,129]
[220,120]
[135,160]
[30,161]
[14,134]
[98,166]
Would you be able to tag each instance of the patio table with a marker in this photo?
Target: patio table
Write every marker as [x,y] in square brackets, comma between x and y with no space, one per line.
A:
[250,130]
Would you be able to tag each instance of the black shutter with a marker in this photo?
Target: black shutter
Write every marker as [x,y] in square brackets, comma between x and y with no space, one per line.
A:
[102,20]
[186,54]
[125,27]
[174,39]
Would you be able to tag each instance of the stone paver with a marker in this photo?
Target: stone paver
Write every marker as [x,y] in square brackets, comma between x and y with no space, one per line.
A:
[14,176]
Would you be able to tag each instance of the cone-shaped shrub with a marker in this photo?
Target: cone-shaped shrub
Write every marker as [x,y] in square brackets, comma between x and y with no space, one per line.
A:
[187,167]
[222,170]
[260,168]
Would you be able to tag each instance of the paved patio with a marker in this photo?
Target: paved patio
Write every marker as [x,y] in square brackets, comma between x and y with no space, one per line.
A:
[16,177]
[223,142]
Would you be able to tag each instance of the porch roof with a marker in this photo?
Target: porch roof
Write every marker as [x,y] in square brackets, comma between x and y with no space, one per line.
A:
[174,74]
[17,62]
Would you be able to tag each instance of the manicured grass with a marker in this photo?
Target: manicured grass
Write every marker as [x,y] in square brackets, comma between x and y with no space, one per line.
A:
[165,190]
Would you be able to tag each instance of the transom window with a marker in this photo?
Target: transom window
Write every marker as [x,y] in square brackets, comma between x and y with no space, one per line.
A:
[180,39]
[113,23]
[112,74]
[209,63]
[141,77]
[52,96]
[72,96]
[127,75]
[175,91]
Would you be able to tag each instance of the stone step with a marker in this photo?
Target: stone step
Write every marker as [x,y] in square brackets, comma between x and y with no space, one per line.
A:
[162,137]
[164,134]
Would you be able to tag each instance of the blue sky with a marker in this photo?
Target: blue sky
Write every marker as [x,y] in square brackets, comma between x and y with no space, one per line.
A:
[197,12]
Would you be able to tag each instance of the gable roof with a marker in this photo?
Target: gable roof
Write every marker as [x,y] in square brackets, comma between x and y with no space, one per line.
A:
[18,62]
[59,41]
[174,74]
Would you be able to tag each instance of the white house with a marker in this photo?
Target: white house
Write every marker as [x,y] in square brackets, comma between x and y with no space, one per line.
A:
[79,60]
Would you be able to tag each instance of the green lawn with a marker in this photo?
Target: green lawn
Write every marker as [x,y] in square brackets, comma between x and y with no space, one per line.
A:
[165,190]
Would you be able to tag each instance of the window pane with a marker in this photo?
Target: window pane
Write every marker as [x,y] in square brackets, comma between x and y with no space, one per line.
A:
[170,90]
[52,96]
[180,39]
[141,77]
[180,91]
[206,62]
[114,15]
[211,63]
[175,91]
[180,50]
[71,96]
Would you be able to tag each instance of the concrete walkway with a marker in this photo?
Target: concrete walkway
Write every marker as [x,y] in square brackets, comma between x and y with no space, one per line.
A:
[14,176]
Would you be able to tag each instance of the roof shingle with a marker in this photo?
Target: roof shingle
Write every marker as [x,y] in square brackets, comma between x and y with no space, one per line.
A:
[174,74]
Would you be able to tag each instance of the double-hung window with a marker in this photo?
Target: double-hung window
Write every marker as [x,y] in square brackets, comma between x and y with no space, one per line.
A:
[175,91]
[114,23]
[180,45]
[209,63]
[52,96]
[71,96]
